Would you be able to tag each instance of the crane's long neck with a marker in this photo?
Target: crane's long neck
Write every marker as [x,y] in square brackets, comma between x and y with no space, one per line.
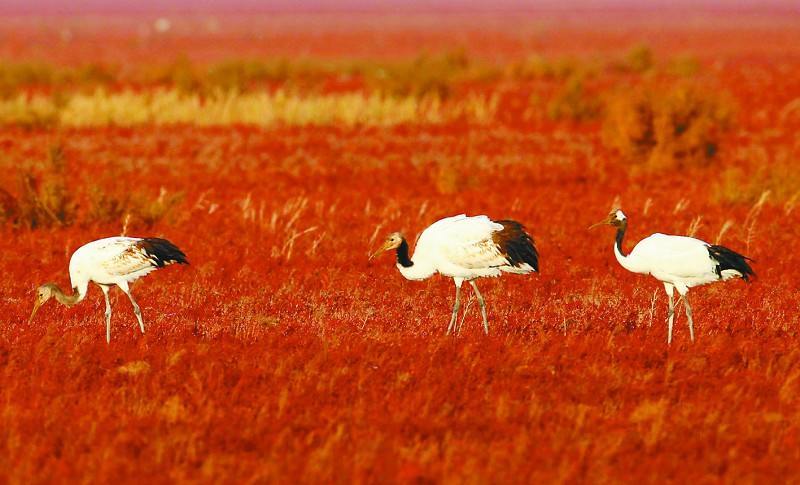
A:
[402,255]
[620,237]
[413,270]
[622,257]
[67,300]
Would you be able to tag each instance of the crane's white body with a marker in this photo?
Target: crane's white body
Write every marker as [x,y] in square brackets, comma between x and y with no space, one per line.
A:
[466,248]
[113,261]
[461,248]
[109,262]
[681,261]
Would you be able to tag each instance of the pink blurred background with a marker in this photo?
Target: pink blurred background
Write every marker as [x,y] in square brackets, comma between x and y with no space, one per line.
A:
[243,6]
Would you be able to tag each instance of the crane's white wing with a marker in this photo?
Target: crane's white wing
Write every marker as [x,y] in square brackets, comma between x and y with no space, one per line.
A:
[115,259]
[111,259]
[473,246]
[677,256]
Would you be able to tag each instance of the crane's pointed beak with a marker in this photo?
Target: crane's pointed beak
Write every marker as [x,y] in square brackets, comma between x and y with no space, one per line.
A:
[604,222]
[36,305]
[380,250]
[596,224]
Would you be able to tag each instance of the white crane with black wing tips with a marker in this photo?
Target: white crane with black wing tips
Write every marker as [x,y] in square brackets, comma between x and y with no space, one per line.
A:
[466,248]
[109,262]
[679,262]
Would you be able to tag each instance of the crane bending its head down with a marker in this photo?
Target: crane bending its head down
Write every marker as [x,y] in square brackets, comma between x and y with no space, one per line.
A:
[109,262]
[679,262]
[44,293]
[465,248]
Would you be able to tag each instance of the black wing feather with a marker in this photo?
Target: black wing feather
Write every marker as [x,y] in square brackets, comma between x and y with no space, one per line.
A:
[516,245]
[729,259]
[162,252]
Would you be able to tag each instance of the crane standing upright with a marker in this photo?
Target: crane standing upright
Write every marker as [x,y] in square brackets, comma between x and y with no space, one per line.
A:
[109,262]
[466,248]
[679,262]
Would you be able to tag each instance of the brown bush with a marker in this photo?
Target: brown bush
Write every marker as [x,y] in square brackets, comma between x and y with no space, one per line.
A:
[425,75]
[9,208]
[15,77]
[141,208]
[539,67]
[572,102]
[662,126]
[779,178]
[150,210]
[639,59]
[44,199]
[105,207]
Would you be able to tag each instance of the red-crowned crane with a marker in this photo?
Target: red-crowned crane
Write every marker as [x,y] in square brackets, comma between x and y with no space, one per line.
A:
[680,262]
[466,248]
[109,262]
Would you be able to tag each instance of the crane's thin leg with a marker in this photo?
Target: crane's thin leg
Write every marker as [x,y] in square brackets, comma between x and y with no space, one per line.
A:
[136,310]
[108,313]
[671,313]
[460,325]
[483,306]
[456,305]
[689,315]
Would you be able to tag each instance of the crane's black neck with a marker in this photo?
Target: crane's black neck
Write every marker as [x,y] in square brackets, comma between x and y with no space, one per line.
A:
[402,255]
[620,236]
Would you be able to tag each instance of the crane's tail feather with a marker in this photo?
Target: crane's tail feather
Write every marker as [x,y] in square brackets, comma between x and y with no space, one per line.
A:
[517,246]
[162,252]
[730,263]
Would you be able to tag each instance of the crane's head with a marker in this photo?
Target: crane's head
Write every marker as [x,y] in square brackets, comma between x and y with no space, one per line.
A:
[43,293]
[393,241]
[615,218]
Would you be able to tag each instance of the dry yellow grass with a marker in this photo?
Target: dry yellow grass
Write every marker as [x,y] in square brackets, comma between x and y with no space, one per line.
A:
[28,111]
[171,106]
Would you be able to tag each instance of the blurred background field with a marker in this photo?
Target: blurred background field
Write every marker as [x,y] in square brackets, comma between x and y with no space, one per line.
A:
[278,148]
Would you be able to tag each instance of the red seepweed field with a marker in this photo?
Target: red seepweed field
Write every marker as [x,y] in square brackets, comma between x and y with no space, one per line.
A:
[281,354]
